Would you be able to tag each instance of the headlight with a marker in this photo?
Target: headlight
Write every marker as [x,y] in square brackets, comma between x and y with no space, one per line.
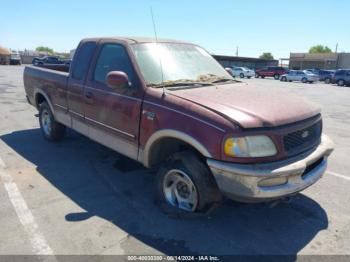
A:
[249,146]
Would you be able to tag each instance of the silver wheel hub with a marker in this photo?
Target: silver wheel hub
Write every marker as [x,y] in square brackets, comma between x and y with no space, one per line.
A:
[46,122]
[180,191]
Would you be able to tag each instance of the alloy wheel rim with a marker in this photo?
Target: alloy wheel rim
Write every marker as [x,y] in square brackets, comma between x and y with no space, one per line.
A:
[180,191]
[46,122]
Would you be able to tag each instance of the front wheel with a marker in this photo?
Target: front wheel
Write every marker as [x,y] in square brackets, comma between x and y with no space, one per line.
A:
[52,130]
[276,76]
[241,75]
[341,82]
[186,185]
[304,80]
[284,79]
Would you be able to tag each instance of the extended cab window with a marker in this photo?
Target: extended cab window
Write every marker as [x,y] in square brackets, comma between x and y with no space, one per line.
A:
[83,58]
[113,57]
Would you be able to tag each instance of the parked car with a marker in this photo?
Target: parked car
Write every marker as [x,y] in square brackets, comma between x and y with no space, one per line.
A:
[67,61]
[243,72]
[342,77]
[47,60]
[272,71]
[298,75]
[245,142]
[326,75]
[315,71]
[15,58]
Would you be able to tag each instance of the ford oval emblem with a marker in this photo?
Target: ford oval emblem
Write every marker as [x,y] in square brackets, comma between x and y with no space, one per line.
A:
[305,134]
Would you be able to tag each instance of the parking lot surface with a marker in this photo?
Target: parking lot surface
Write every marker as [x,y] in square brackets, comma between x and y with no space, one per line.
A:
[78,197]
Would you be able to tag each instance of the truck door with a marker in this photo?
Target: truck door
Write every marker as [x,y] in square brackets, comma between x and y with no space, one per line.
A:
[113,115]
[78,73]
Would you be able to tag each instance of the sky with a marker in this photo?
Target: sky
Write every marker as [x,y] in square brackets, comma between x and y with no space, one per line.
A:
[220,26]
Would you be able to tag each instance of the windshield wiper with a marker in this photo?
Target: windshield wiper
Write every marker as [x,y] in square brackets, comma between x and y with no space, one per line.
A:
[183,83]
[213,79]
[224,80]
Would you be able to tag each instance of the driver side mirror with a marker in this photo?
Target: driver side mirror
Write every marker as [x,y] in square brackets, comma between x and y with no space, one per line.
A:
[117,79]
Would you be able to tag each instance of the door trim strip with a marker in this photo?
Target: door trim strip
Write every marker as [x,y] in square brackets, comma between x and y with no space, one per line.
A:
[110,127]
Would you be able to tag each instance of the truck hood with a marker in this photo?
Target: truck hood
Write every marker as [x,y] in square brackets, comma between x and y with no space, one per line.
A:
[251,106]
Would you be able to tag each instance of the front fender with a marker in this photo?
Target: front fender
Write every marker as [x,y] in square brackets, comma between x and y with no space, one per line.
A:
[144,156]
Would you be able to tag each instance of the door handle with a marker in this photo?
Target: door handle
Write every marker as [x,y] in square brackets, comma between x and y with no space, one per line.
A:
[89,95]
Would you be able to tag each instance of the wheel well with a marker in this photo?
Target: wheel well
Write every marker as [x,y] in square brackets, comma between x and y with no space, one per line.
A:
[165,147]
[39,99]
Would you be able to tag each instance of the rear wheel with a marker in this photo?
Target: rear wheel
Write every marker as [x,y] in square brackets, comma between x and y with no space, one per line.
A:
[327,80]
[52,130]
[241,75]
[186,185]
[276,76]
[304,80]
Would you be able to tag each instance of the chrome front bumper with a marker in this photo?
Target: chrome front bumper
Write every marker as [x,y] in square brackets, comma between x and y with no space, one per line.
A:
[244,182]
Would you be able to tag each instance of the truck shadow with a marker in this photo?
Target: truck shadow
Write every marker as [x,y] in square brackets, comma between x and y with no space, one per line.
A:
[89,174]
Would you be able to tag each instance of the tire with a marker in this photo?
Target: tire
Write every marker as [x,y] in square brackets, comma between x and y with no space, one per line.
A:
[51,130]
[249,77]
[340,82]
[276,76]
[194,178]
[263,77]
[304,80]
[241,75]
[327,80]
[257,76]
[284,79]
[310,82]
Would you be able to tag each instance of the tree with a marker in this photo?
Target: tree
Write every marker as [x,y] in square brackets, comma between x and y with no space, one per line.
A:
[44,49]
[319,49]
[267,56]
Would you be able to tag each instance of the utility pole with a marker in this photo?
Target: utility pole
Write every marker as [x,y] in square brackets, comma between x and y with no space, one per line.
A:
[236,50]
[336,48]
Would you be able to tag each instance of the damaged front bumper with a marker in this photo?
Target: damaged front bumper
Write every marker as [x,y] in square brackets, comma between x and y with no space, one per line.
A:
[267,181]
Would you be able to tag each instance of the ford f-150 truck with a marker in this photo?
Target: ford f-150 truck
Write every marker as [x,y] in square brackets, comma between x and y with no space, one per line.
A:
[170,105]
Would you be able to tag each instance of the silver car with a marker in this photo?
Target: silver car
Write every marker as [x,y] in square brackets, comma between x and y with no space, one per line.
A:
[242,72]
[299,75]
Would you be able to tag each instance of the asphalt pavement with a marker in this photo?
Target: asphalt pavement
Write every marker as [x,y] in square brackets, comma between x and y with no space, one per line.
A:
[78,197]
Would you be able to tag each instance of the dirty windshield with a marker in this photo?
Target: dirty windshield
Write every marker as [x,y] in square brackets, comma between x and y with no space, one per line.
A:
[172,64]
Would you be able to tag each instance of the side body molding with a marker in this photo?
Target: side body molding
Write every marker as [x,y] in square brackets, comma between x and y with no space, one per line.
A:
[144,156]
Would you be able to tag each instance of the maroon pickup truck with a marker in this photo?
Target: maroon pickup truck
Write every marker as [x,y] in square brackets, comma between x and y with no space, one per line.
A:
[271,71]
[170,105]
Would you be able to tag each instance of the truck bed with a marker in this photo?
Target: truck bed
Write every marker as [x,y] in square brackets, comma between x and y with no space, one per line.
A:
[53,83]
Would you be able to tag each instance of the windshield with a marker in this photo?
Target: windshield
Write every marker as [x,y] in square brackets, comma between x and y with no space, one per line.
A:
[178,62]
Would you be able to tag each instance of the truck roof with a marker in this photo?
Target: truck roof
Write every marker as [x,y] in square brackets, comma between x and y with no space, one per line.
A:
[135,40]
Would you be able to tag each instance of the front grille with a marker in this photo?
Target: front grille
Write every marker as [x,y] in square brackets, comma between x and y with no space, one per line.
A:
[303,139]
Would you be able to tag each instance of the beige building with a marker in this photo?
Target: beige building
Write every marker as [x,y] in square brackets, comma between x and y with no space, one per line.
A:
[5,55]
[321,61]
